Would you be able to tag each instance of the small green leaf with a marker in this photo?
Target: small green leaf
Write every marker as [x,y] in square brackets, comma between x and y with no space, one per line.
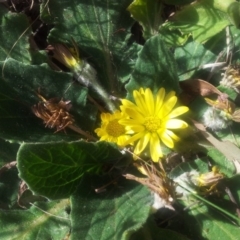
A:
[225,165]
[148,14]
[203,19]
[192,56]
[14,36]
[155,68]
[43,221]
[234,13]
[55,169]
[113,214]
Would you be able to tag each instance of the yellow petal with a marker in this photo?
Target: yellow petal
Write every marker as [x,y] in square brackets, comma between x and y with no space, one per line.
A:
[172,135]
[105,117]
[129,122]
[122,139]
[175,124]
[140,101]
[142,143]
[132,113]
[149,101]
[134,138]
[167,140]
[127,104]
[155,148]
[136,128]
[168,106]
[159,100]
[169,95]
[178,111]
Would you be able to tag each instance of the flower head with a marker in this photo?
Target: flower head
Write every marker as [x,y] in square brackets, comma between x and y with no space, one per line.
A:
[150,120]
[111,130]
[69,57]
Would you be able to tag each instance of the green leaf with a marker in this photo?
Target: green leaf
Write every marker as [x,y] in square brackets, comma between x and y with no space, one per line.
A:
[177,2]
[209,223]
[234,13]
[198,164]
[218,159]
[54,170]
[14,36]
[203,19]
[192,56]
[18,90]
[36,224]
[226,166]
[150,230]
[101,31]
[204,219]
[148,14]
[9,185]
[155,68]
[234,34]
[9,181]
[8,152]
[113,214]
[173,37]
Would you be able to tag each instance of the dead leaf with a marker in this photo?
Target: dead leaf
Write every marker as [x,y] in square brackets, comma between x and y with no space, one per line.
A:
[199,87]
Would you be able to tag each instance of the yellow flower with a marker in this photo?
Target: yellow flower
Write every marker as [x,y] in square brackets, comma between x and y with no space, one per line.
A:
[111,130]
[150,119]
[69,57]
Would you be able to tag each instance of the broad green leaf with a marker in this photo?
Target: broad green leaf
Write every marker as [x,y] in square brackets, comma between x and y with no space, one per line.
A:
[203,19]
[190,58]
[173,37]
[207,223]
[150,230]
[9,185]
[149,14]
[54,170]
[18,87]
[9,181]
[14,36]
[101,30]
[8,152]
[43,221]
[155,68]
[113,214]
[177,2]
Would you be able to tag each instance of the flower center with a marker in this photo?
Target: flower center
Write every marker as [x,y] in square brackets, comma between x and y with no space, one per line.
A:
[152,124]
[115,129]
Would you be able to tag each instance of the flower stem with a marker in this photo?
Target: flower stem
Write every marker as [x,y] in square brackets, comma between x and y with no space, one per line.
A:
[87,75]
[80,131]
